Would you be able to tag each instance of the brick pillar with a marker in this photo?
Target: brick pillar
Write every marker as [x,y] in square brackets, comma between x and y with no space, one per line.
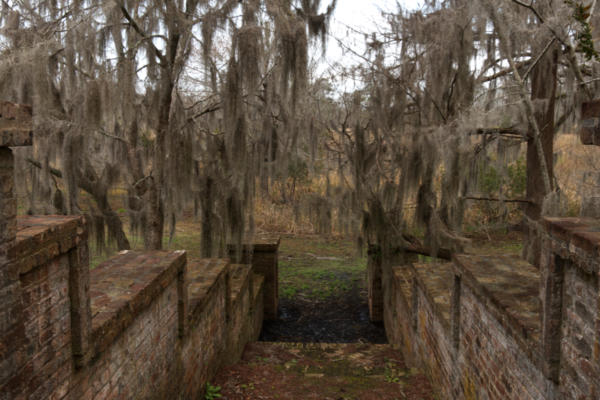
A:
[263,255]
[15,130]
[552,281]
[8,202]
[379,277]
[79,293]
[374,287]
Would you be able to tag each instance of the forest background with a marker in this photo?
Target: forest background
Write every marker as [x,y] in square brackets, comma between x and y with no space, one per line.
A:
[424,129]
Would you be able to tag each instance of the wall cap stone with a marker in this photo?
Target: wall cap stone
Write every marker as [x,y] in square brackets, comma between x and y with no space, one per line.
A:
[41,238]
[436,280]
[203,278]
[124,286]
[580,232]
[266,244]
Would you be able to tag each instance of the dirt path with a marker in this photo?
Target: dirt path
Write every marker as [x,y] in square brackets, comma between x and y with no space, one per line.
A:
[343,356]
[321,371]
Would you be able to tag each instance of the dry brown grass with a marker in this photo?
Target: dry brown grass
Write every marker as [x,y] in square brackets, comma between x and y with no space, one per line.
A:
[573,161]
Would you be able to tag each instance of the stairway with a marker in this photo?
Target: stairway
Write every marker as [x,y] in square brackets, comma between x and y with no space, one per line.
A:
[276,370]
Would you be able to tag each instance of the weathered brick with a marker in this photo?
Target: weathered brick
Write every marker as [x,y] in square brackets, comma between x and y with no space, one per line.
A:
[141,324]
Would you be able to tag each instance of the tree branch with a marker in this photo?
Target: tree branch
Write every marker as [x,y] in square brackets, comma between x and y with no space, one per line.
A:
[136,27]
[506,71]
[506,132]
[104,133]
[531,8]
[38,165]
[497,200]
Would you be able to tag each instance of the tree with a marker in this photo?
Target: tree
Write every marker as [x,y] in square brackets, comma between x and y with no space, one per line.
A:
[441,86]
[107,82]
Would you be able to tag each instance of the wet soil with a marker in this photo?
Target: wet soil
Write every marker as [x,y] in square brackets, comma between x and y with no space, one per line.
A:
[341,319]
[321,371]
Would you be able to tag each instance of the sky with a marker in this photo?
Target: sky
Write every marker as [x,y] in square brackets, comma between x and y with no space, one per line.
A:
[362,15]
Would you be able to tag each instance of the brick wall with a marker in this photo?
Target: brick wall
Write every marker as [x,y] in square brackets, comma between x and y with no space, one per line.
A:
[151,326]
[474,325]
[496,327]
[570,268]
[15,130]
[433,342]
[580,369]
[492,363]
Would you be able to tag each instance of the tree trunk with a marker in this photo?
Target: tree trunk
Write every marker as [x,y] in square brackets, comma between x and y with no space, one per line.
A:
[114,223]
[155,217]
[543,93]
[207,202]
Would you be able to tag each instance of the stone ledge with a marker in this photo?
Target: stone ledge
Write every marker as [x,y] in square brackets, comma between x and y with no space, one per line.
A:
[436,281]
[241,277]
[583,233]
[15,136]
[41,238]
[509,287]
[124,286]
[259,245]
[203,277]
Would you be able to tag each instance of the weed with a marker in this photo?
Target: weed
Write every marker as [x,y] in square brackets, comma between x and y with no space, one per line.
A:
[212,392]
[392,373]
[288,292]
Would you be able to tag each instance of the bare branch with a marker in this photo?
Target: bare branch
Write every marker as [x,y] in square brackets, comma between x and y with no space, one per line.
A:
[531,8]
[497,200]
[140,31]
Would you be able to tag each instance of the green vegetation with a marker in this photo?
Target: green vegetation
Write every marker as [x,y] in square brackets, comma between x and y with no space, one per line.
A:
[332,271]
[212,392]
[513,184]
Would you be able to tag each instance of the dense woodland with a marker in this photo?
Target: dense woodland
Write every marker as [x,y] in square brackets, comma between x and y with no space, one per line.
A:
[212,105]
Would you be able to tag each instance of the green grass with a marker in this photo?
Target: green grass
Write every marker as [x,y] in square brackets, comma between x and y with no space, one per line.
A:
[318,268]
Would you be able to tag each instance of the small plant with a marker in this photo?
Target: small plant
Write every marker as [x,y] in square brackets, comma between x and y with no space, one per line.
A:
[288,292]
[392,374]
[212,392]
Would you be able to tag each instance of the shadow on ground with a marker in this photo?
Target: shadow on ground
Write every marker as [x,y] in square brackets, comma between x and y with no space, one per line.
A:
[343,319]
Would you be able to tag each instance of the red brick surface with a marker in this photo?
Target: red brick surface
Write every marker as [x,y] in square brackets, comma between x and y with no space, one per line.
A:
[516,331]
[141,325]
